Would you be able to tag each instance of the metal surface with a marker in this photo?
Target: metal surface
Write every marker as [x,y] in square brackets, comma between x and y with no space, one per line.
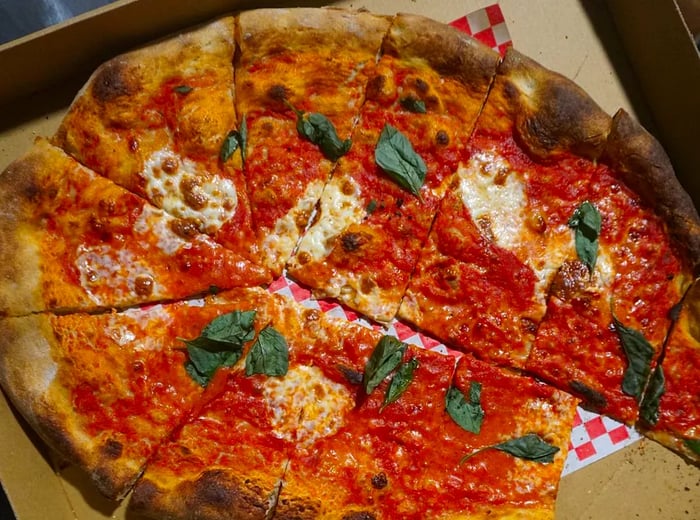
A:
[20,17]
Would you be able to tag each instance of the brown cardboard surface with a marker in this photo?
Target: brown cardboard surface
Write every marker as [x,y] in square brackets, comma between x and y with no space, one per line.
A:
[663,54]
[578,39]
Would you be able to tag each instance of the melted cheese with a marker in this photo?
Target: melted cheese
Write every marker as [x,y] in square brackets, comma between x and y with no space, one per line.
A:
[495,195]
[107,273]
[176,185]
[279,244]
[502,203]
[340,207]
[152,221]
[306,405]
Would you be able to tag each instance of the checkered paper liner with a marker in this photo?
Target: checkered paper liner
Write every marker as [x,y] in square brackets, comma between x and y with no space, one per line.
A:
[593,436]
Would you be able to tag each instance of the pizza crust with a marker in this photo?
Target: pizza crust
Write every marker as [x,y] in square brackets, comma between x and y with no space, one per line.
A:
[448,51]
[266,32]
[214,495]
[19,246]
[28,374]
[552,115]
[644,166]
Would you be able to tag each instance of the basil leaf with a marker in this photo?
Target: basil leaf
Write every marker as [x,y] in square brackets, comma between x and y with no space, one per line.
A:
[466,413]
[269,354]
[529,447]
[183,89]
[234,140]
[243,138]
[417,106]
[203,362]
[693,445]
[399,383]
[649,409]
[385,357]
[639,353]
[219,345]
[318,129]
[395,155]
[586,222]
[229,146]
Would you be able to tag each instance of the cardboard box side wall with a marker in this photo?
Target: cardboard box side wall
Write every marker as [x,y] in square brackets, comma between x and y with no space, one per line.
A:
[666,61]
[582,44]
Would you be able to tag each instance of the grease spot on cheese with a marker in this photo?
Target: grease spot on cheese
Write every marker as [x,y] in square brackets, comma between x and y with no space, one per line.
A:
[154,222]
[306,405]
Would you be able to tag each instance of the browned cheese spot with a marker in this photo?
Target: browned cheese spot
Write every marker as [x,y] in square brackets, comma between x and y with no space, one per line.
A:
[143,285]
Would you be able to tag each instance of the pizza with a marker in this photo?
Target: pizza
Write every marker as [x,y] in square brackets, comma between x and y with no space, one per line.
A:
[388,163]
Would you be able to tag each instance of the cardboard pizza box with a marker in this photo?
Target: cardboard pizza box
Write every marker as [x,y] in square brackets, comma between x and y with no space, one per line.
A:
[634,54]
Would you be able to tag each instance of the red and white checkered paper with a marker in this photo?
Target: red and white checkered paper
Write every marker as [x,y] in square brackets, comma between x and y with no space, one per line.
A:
[593,436]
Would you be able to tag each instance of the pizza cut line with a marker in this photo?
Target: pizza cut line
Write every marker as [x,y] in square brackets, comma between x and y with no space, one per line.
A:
[397,166]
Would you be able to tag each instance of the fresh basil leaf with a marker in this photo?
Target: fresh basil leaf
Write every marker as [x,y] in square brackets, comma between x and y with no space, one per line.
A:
[318,129]
[229,146]
[203,362]
[243,138]
[385,357]
[236,326]
[586,222]
[649,409]
[234,140]
[693,445]
[466,413]
[395,155]
[413,104]
[183,89]
[399,383]
[529,447]
[269,354]
[219,345]
[639,353]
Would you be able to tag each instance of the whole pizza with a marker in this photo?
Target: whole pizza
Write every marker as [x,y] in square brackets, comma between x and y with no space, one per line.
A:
[389,163]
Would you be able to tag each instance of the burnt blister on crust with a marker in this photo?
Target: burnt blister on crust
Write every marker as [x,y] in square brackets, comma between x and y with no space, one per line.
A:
[112,449]
[217,491]
[113,80]
[552,114]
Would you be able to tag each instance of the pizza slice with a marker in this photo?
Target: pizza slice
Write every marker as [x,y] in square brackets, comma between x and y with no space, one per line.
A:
[102,390]
[105,390]
[375,213]
[300,79]
[73,240]
[670,409]
[602,335]
[431,442]
[501,232]
[537,218]
[161,122]
[293,386]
